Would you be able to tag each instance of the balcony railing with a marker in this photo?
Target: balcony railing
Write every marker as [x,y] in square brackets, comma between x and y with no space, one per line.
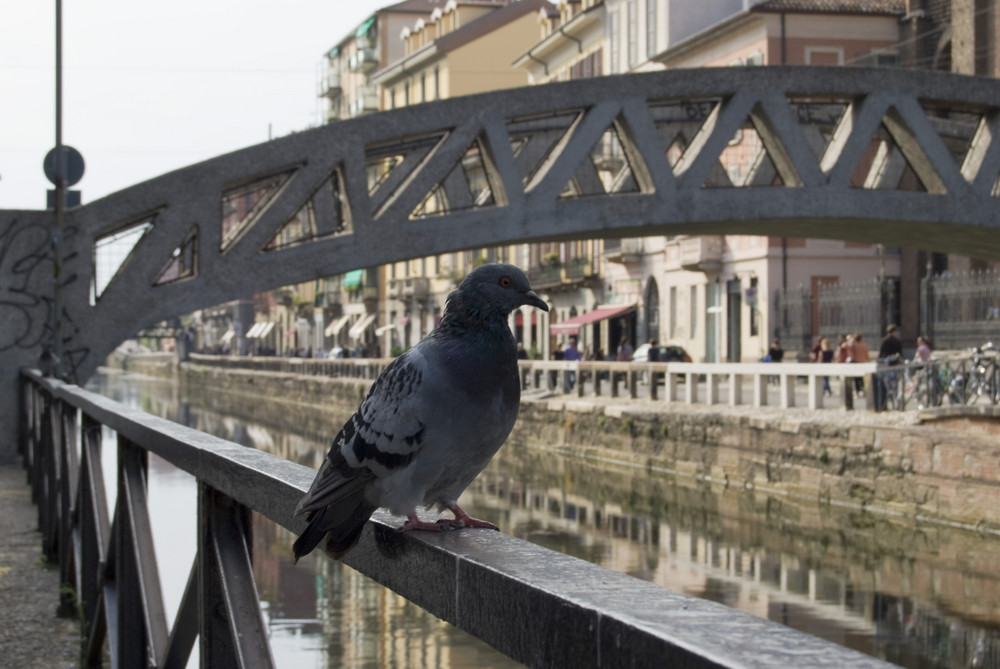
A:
[545,276]
[536,605]
[703,253]
[329,85]
[416,287]
[627,250]
[363,60]
[365,102]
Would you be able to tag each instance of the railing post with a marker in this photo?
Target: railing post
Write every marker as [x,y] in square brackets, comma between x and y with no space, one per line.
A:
[760,390]
[46,489]
[94,529]
[847,392]
[712,388]
[141,624]
[231,626]
[815,391]
[787,391]
[670,385]
[68,481]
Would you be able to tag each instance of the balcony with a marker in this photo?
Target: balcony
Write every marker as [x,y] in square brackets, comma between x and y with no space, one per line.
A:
[580,269]
[363,60]
[365,102]
[415,287]
[545,276]
[701,254]
[329,85]
[624,251]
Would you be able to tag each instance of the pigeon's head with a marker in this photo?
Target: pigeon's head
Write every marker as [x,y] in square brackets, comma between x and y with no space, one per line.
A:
[498,288]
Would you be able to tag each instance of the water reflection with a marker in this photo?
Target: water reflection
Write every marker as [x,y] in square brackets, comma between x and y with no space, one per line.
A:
[919,596]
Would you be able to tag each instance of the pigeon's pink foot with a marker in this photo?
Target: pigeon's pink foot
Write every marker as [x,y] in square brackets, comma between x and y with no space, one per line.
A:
[461,519]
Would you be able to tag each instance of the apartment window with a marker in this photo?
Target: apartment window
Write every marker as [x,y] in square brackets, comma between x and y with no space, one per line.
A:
[754,311]
[437,83]
[822,55]
[406,94]
[633,33]
[614,49]
[650,29]
[392,98]
[423,87]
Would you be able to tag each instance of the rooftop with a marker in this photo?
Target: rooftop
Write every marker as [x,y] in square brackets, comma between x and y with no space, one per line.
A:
[894,7]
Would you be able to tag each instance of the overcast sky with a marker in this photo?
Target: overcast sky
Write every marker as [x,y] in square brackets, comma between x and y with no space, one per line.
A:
[153,85]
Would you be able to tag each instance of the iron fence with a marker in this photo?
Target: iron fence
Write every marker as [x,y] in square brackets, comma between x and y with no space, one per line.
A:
[955,381]
[867,307]
[838,308]
[795,326]
[961,310]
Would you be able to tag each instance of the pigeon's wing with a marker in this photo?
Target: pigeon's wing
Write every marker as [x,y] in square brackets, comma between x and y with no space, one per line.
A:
[382,436]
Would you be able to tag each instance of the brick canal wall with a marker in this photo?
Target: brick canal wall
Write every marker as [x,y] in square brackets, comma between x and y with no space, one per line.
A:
[944,473]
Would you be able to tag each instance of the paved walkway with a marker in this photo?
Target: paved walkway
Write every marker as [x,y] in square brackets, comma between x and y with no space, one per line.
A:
[31,636]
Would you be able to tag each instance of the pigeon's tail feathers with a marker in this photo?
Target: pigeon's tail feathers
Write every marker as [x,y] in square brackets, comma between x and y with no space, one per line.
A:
[340,525]
[308,540]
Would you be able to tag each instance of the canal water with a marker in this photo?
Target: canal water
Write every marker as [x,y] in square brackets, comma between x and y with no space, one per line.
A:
[917,595]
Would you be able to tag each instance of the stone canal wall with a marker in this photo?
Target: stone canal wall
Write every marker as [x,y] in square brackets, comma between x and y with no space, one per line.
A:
[934,473]
[921,472]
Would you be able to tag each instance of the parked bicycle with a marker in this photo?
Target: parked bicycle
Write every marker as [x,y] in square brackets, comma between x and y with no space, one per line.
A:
[980,382]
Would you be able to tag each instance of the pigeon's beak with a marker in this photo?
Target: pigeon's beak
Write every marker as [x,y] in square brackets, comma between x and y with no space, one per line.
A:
[531,298]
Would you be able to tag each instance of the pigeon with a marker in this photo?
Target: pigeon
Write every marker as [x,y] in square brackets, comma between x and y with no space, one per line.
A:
[430,423]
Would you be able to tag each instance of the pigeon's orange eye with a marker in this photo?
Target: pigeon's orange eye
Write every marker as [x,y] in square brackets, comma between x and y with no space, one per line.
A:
[505,282]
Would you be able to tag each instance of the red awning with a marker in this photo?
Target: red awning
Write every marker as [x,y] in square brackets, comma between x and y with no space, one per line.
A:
[571,326]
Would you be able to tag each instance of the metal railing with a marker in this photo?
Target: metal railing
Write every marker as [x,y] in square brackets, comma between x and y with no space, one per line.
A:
[960,310]
[538,606]
[971,380]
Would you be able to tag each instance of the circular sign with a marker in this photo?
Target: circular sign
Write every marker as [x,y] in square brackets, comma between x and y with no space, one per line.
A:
[72,164]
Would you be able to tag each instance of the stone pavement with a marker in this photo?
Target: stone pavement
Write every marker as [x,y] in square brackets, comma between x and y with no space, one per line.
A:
[31,636]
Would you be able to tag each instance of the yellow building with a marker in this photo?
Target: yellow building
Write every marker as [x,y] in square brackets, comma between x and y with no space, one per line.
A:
[459,49]
[462,49]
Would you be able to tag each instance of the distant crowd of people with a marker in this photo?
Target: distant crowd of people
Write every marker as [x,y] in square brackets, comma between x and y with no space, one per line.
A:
[852,348]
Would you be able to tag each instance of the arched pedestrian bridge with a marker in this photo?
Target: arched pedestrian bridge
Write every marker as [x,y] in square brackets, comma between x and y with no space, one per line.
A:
[872,155]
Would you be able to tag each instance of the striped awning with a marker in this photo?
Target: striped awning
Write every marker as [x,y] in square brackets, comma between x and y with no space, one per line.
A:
[334,328]
[260,329]
[359,328]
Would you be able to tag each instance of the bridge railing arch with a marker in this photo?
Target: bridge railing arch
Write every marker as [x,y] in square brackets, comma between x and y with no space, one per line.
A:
[872,155]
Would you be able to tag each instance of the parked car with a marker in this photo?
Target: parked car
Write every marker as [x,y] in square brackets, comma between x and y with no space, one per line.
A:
[664,353]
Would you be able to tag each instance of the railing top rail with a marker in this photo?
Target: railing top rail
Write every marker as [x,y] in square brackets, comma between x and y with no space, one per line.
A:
[536,605]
